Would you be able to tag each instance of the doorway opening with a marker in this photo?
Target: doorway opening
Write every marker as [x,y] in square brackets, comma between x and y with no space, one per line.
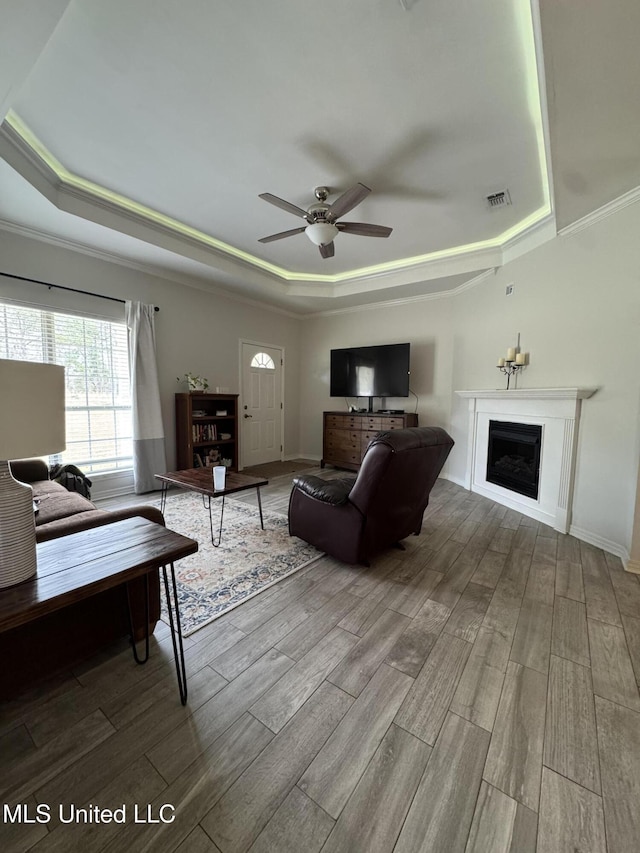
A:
[261,410]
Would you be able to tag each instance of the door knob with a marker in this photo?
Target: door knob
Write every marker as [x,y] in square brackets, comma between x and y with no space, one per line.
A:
[248,416]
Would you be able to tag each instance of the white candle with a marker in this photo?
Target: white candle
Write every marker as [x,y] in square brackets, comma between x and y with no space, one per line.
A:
[520,358]
[500,362]
[511,354]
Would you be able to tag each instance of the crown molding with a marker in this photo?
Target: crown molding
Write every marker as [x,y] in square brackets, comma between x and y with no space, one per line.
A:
[146,269]
[374,306]
[73,194]
[220,290]
[544,129]
[406,300]
[531,238]
[473,282]
[83,249]
[614,206]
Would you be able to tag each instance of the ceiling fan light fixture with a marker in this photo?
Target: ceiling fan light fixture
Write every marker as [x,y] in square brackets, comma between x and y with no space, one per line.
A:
[322,226]
[321,233]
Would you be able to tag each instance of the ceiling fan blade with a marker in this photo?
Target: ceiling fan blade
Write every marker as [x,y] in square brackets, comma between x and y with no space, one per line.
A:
[364,229]
[285,205]
[347,201]
[281,235]
[328,250]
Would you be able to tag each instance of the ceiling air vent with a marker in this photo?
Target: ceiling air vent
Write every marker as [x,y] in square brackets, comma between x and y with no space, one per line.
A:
[501,199]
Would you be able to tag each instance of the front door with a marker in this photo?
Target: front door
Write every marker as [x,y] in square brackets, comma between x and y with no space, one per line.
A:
[261,404]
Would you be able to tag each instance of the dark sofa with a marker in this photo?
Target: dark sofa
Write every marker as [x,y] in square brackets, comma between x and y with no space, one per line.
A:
[61,512]
[353,519]
[63,638]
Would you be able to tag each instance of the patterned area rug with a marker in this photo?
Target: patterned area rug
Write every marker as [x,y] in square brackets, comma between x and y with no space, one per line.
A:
[249,559]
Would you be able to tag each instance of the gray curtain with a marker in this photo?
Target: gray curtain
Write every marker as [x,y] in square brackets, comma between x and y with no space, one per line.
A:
[148,433]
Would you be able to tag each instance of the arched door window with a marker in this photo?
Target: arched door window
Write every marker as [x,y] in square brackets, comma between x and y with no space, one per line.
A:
[262,359]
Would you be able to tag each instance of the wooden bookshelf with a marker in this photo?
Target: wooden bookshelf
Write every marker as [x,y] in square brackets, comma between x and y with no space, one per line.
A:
[206,424]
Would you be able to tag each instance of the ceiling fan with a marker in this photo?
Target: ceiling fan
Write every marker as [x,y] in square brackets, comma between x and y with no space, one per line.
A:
[322,227]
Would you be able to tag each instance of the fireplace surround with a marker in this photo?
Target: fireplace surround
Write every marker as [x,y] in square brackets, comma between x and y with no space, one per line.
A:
[556,413]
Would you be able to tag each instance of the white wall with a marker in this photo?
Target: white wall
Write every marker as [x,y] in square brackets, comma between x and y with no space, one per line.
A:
[196,331]
[576,303]
[425,324]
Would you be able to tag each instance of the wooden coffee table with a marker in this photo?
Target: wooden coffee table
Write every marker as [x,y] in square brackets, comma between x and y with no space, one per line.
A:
[201,480]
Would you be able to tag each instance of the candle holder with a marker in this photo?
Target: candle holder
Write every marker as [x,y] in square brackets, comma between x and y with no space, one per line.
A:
[509,368]
[514,361]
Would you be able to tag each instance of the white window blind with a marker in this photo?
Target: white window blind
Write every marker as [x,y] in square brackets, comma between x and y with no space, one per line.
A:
[95,356]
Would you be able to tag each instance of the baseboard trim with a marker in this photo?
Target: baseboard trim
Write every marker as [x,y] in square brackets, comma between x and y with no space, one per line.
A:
[600,542]
[633,566]
[579,532]
[543,517]
[453,479]
[290,457]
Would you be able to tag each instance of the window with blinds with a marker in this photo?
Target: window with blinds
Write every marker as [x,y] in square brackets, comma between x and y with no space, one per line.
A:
[96,360]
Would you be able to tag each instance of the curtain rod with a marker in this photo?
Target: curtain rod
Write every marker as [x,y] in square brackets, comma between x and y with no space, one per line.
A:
[62,287]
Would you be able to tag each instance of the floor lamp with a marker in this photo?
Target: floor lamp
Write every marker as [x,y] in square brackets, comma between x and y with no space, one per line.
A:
[32,423]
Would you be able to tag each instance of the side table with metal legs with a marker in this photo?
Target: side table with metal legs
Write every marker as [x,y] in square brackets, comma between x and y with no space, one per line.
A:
[173,610]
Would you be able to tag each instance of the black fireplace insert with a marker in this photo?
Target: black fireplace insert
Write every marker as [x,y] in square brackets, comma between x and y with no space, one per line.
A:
[513,459]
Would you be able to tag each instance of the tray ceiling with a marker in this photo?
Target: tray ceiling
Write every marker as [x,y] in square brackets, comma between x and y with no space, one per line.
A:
[147,130]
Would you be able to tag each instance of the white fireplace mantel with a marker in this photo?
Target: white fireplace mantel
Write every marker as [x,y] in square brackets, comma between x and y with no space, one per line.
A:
[532,394]
[557,411]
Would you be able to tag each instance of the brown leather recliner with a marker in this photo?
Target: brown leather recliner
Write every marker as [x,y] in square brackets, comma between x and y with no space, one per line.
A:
[353,519]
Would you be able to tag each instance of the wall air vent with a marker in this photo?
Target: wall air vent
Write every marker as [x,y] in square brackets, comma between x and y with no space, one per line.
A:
[501,199]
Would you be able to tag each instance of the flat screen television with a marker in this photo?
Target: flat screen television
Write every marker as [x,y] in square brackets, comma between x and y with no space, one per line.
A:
[377,371]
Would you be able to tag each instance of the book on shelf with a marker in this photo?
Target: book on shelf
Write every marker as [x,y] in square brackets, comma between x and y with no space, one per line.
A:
[204,432]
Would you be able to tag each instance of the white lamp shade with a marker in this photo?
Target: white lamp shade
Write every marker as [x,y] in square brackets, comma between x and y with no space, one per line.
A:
[32,414]
[321,233]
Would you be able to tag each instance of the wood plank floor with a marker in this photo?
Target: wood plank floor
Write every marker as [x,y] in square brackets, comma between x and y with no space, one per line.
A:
[477,692]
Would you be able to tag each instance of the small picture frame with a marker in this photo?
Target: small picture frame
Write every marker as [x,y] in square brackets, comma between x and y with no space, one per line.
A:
[212,458]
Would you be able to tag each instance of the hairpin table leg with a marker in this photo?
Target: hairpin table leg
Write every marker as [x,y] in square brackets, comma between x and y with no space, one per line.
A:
[176,634]
[136,657]
[260,507]
[163,496]
[216,542]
